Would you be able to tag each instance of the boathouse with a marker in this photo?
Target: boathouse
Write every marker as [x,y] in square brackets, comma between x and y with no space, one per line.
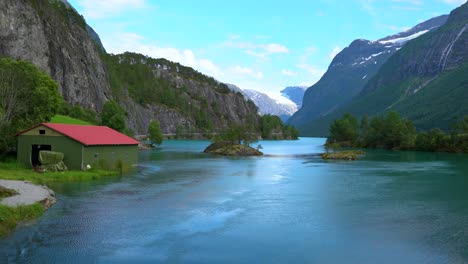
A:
[83,146]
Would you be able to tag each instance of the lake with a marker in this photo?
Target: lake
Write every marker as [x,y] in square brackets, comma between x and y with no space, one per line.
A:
[289,206]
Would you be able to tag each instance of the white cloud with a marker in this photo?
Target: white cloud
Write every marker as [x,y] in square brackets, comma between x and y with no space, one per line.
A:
[108,8]
[288,73]
[455,2]
[411,2]
[335,51]
[247,71]
[122,42]
[275,48]
[261,51]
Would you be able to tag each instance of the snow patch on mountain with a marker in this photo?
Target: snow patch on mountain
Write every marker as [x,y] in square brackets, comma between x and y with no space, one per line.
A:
[404,39]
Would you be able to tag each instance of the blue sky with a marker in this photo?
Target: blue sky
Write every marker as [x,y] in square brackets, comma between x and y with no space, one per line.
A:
[261,45]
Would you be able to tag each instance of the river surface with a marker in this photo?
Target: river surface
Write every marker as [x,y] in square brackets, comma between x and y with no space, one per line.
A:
[183,206]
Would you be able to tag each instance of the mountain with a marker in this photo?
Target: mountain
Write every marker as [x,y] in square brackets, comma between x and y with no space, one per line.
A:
[349,72]
[235,88]
[295,94]
[425,80]
[267,105]
[53,36]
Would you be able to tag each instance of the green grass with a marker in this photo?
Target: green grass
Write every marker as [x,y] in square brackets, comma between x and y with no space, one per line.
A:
[11,216]
[11,170]
[61,119]
[5,192]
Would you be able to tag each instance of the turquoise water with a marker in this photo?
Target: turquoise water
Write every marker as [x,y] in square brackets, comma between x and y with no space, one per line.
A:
[183,206]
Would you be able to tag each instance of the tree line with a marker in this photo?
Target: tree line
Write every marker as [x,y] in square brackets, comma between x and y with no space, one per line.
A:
[393,132]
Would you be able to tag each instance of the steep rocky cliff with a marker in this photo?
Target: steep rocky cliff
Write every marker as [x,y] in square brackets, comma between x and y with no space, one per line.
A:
[178,96]
[55,39]
[52,35]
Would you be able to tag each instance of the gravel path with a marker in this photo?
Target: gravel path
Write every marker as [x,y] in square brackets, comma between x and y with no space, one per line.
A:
[28,193]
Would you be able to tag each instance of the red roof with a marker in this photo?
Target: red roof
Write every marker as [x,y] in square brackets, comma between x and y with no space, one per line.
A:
[90,135]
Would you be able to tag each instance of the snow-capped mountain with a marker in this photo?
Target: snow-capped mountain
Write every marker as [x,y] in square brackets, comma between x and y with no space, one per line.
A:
[267,105]
[350,71]
[295,94]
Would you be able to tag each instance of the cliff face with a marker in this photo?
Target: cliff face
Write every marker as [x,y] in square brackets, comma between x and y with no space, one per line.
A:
[57,43]
[178,96]
[52,35]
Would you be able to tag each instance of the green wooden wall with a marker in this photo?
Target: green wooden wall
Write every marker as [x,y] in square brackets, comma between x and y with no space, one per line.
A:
[69,147]
[106,157]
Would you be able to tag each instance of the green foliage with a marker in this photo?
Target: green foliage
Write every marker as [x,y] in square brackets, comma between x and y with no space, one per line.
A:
[344,129]
[12,170]
[390,132]
[236,135]
[77,112]
[113,116]
[28,96]
[393,132]
[158,81]
[10,216]
[61,119]
[53,7]
[271,127]
[5,192]
[155,133]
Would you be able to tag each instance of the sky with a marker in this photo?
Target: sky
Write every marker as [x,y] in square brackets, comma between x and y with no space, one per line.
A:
[260,45]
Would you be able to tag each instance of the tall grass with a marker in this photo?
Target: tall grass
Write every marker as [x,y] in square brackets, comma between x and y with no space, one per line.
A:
[10,216]
[12,170]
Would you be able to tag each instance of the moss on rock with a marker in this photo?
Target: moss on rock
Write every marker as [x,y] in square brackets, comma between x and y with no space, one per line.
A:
[228,149]
[343,155]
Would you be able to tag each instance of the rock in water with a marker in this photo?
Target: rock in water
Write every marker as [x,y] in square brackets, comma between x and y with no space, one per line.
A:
[228,149]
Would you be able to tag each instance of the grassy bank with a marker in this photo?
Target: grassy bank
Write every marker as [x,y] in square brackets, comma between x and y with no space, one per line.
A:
[11,170]
[5,192]
[11,216]
[61,119]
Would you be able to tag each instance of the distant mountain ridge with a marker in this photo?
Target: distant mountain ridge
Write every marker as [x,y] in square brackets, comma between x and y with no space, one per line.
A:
[426,80]
[267,105]
[295,94]
[349,73]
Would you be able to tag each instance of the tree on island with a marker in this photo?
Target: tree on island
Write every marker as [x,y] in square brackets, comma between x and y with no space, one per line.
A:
[28,96]
[393,132]
[237,135]
[155,133]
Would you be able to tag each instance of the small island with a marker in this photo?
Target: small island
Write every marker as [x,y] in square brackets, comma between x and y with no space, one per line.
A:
[228,149]
[342,155]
